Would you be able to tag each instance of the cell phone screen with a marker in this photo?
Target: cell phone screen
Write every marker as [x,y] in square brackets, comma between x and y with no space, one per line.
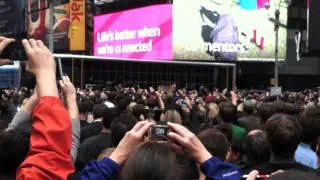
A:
[14,51]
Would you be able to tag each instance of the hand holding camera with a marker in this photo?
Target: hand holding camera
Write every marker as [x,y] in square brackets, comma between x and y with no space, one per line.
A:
[4,42]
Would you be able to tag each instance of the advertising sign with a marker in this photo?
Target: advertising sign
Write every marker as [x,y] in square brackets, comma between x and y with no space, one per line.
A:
[12,17]
[228,30]
[143,33]
[69,23]
[78,22]
[38,23]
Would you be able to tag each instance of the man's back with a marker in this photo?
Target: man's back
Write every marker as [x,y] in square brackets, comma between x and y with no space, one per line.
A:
[91,148]
[91,130]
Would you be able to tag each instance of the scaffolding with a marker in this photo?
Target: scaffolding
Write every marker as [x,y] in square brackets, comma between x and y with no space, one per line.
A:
[147,72]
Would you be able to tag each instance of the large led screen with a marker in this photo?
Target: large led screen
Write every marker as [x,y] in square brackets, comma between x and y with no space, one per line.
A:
[143,33]
[228,30]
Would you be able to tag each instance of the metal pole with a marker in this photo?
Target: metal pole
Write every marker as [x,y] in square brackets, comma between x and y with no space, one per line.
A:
[276,62]
[60,68]
[227,79]
[81,83]
[234,77]
[51,24]
[72,70]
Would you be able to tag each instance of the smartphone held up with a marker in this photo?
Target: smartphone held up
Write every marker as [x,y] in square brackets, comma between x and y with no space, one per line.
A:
[14,51]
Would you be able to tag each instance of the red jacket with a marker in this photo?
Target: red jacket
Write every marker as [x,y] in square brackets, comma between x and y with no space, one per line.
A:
[50,143]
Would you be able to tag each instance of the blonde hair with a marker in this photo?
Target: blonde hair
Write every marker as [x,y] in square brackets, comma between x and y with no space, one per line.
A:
[213,110]
[173,116]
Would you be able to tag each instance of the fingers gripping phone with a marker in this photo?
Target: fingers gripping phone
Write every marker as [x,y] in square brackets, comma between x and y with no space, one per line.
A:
[14,51]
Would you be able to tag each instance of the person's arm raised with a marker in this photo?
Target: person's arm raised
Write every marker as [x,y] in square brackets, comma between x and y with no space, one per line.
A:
[50,141]
[42,64]
[22,120]
[109,168]
[188,142]
[69,92]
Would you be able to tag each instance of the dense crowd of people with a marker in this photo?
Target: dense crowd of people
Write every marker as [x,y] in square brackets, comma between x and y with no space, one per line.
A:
[171,133]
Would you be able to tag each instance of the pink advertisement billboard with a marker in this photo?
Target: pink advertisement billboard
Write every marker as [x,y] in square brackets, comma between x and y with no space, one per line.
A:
[143,33]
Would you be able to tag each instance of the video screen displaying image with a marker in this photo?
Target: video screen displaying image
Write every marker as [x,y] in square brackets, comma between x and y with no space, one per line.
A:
[228,30]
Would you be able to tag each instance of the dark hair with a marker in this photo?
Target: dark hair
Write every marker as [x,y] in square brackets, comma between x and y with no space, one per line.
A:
[123,103]
[228,112]
[108,117]
[14,146]
[295,175]
[248,108]
[84,107]
[152,161]
[226,129]
[310,122]
[120,126]
[265,111]
[152,102]
[215,142]
[137,110]
[284,134]
[256,148]
[99,110]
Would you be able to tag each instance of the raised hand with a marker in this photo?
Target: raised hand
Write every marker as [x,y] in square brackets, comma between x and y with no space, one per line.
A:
[41,63]
[132,139]
[187,142]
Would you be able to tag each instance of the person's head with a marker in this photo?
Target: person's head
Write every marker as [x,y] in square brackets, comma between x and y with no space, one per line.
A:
[99,110]
[215,142]
[284,133]
[152,161]
[212,112]
[310,122]
[265,111]
[226,130]
[152,102]
[130,106]
[138,110]
[256,148]
[84,108]
[14,146]
[227,112]
[124,103]
[173,116]
[120,126]
[109,116]
[249,106]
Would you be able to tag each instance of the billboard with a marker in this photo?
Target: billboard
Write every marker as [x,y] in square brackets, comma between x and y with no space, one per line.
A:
[142,33]
[69,21]
[228,30]
[78,23]
[12,17]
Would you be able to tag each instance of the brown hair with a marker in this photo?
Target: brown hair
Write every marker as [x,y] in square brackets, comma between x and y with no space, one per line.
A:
[152,161]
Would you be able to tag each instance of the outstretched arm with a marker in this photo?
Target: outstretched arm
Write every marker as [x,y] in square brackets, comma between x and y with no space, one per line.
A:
[50,142]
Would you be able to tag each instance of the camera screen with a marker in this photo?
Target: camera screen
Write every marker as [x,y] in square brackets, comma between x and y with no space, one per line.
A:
[158,133]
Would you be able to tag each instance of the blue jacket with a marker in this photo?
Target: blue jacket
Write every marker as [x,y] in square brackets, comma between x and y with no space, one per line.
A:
[213,168]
